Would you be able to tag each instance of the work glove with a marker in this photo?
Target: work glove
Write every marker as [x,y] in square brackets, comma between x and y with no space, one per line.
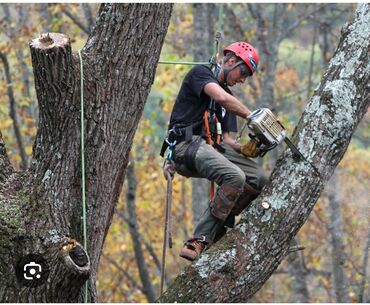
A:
[250,149]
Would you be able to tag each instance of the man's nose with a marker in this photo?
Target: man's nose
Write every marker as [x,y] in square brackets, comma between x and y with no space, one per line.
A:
[242,80]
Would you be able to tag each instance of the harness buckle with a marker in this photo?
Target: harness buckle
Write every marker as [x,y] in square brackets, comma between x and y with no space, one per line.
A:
[201,239]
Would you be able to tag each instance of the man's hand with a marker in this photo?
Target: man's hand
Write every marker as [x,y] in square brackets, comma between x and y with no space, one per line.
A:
[250,149]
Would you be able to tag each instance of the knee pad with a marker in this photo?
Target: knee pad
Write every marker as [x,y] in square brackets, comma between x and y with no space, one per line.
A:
[247,196]
[224,201]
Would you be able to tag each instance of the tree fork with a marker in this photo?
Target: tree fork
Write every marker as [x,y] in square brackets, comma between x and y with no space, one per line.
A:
[40,209]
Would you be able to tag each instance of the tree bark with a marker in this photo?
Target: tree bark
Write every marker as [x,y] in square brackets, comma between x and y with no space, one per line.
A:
[40,209]
[233,269]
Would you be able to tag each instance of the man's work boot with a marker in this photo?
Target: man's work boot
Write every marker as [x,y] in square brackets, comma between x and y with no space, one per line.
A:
[193,248]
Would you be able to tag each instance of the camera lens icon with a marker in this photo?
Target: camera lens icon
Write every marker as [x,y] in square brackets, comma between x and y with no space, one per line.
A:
[32,271]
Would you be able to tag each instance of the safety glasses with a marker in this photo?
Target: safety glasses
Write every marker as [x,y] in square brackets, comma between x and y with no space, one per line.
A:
[245,71]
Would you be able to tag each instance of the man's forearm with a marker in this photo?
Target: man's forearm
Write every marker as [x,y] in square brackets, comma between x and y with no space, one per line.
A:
[230,141]
[226,100]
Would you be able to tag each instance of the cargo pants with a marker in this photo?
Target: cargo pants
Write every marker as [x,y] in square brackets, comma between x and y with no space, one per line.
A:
[228,167]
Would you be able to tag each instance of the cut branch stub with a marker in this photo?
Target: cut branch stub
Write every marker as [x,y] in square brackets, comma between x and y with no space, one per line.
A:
[56,87]
[75,256]
[50,40]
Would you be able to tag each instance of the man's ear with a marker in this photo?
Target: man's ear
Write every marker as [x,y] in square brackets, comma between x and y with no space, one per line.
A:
[231,61]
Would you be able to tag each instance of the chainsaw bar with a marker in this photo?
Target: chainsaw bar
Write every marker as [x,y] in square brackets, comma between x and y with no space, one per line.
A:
[294,149]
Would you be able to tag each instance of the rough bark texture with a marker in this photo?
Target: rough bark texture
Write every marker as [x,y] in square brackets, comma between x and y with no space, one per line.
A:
[236,267]
[40,209]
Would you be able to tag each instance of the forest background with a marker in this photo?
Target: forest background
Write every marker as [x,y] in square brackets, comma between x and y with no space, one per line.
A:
[295,42]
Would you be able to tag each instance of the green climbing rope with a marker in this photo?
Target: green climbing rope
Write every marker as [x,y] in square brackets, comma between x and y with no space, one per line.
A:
[83,165]
[190,63]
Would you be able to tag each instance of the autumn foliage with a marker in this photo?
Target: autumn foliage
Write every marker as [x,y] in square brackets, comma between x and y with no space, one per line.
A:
[119,279]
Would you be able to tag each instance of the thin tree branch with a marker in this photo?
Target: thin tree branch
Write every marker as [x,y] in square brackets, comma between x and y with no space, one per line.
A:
[150,249]
[68,13]
[298,22]
[125,273]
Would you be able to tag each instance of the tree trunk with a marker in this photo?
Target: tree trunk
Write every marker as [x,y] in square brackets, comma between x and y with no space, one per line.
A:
[233,269]
[336,230]
[40,209]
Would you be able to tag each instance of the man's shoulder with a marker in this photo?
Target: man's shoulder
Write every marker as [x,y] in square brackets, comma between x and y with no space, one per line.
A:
[201,69]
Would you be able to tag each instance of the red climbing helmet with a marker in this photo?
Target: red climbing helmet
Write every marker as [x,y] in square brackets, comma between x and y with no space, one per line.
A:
[246,52]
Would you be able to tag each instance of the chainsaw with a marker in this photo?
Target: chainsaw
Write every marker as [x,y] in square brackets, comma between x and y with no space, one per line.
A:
[268,132]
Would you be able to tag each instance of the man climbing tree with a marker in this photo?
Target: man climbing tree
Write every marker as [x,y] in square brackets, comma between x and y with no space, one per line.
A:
[42,257]
[205,109]
[233,269]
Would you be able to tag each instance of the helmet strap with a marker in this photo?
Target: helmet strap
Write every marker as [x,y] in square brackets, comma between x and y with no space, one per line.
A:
[227,70]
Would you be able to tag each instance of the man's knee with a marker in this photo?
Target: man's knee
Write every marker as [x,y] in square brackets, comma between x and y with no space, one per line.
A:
[236,178]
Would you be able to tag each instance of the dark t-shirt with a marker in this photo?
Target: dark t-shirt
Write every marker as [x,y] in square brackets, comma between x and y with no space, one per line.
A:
[191,101]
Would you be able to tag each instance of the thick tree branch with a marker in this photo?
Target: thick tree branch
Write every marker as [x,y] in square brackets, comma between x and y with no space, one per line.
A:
[233,269]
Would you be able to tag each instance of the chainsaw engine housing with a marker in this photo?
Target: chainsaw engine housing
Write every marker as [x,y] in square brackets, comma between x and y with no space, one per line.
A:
[265,126]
